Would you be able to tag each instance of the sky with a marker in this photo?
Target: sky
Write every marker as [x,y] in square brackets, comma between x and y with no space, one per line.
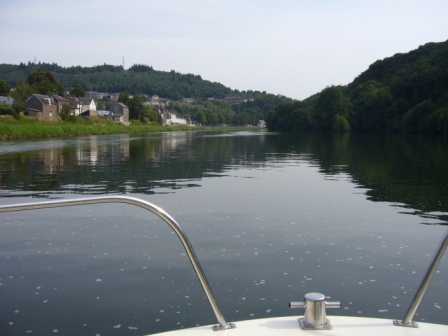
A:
[294,48]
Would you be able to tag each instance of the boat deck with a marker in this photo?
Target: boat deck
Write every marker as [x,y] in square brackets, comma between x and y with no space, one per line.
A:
[342,326]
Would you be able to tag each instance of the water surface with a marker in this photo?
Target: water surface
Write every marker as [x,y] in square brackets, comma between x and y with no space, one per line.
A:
[271,217]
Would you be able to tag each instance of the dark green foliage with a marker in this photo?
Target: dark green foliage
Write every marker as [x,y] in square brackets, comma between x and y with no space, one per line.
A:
[44,83]
[331,102]
[406,92]
[78,91]
[413,119]
[340,124]
[290,117]
[139,79]
[145,81]
[7,110]
[141,68]
[137,110]
[4,88]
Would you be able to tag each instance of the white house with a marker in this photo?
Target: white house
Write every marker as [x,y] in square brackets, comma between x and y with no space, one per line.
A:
[173,118]
[88,104]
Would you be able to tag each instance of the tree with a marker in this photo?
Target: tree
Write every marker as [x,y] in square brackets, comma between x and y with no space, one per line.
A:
[376,109]
[4,88]
[124,98]
[136,108]
[78,91]
[213,119]
[22,92]
[7,110]
[331,101]
[340,124]
[200,117]
[412,120]
[44,83]
[289,117]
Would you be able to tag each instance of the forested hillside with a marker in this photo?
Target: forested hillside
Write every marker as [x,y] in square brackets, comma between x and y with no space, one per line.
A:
[406,92]
[139,79]
[144,81]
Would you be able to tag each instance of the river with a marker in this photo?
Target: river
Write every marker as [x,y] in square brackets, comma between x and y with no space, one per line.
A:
[271,216]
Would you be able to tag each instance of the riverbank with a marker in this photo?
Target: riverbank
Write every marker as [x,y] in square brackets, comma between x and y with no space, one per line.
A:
[28,128]
[31,128]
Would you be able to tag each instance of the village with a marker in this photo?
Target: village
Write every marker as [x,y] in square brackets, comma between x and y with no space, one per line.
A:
[45,107]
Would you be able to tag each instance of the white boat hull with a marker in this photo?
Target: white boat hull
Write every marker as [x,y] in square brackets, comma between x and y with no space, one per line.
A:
[342,326]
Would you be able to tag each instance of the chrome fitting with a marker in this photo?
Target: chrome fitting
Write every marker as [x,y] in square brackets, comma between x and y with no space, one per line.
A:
[315,317]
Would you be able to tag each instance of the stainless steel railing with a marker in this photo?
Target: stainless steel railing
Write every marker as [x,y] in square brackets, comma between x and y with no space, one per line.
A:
[407,320]
[157,211]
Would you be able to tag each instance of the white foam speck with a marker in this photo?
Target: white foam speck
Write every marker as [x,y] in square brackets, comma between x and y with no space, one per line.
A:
[437,306]
[99,280]
[133,328]
[383,310]
[55,331]
[117,326]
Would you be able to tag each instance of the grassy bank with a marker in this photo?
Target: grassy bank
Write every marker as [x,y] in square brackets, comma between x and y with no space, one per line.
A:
[29,128]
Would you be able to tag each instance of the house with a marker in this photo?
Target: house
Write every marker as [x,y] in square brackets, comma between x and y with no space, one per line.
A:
[42,107]
[172,118]
[120,112]
[97,95]
[6,100]
[188,100]
[48,108]
[75,106]
[234,100]
[114,96]
[156,102]
[88,108]
[261,123]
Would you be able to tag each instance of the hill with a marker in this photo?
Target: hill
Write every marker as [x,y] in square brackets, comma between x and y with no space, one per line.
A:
[145,81]
[406,92]
[139,79]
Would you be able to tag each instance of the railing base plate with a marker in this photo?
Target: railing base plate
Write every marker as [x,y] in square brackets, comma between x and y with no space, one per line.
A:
[409,325]
[229,325]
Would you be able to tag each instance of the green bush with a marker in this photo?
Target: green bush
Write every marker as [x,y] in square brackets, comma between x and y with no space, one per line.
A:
[340,124]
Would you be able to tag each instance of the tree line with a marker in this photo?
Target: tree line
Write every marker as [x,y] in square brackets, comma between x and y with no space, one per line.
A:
[141,82]
[403,93]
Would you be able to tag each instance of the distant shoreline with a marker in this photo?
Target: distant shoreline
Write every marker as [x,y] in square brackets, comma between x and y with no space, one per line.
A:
[47,130]
[15,130]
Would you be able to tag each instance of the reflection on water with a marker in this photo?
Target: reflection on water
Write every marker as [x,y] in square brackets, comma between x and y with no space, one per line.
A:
[409,171]
[271,217]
